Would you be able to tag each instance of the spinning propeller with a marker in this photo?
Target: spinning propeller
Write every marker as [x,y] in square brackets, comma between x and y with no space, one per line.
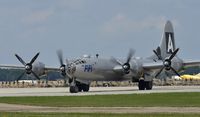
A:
[167,62]
[125,66]
[62,65]
[69,67]
[28,66]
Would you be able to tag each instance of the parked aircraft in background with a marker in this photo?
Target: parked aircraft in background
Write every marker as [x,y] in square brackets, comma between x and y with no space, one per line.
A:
[80,72]
[190,77]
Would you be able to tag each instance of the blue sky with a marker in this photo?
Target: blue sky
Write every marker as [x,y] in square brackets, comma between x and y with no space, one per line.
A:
[107,27]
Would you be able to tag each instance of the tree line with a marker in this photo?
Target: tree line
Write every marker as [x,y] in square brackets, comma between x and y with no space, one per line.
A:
[13,74]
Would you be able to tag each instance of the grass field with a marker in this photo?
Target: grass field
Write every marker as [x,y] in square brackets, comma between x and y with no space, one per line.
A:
[5,114]
[131,100]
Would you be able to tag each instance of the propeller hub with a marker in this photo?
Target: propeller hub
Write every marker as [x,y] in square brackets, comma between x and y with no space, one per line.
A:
[28,67]
[62,69]
[126,67]
[167,63]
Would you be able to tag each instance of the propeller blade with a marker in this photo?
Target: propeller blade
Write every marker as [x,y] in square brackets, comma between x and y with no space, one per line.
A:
[35,75]
[63,67]
[126,65]
[20,59]
[159,57]
[173,54]
[34,58]
[167,62]
[159,72]
[130,55]
[175,71]
[20,76]
[67,62]
[60,56]
[114,60]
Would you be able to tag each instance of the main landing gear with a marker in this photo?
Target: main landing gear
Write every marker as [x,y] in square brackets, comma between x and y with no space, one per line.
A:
[142,85]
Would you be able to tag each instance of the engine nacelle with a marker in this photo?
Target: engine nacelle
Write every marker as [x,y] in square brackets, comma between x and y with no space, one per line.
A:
[39,68]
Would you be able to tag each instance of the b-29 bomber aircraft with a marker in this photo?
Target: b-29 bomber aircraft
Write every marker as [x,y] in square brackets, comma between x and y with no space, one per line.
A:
[80,72]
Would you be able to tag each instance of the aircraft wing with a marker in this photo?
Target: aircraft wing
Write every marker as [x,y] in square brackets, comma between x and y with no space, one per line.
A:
[51,69]
[191,63]
[22,67]
[159,65]
[153,65]
[11,67]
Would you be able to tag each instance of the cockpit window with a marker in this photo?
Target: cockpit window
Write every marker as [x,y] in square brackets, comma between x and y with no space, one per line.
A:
[79,61]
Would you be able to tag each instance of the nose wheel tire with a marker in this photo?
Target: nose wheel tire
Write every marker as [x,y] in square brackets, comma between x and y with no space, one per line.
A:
[79,87]
[73,89]
[83,87]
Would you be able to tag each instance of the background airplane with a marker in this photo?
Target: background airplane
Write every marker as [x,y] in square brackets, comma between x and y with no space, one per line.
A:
[80,72]
[190,77]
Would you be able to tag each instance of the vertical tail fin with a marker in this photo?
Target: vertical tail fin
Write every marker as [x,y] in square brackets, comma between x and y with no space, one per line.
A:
[167,45]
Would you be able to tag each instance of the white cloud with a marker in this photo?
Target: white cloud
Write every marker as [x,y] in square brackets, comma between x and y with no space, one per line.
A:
[38,16]
[122,23]
[42,15]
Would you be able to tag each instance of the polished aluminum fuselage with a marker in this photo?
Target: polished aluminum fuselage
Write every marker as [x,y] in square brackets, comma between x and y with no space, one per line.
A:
[102,69]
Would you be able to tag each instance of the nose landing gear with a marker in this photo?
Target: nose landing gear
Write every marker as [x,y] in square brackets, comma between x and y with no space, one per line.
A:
[76,87]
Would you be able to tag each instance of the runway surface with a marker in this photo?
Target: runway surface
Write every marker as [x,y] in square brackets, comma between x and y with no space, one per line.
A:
[24,108]
[95,91]
[6,92]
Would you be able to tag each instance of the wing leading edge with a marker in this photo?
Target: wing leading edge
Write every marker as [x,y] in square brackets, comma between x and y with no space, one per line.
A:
[22,68]
[153,65]
[191,63]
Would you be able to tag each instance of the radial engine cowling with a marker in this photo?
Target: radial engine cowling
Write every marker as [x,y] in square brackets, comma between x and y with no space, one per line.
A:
[39,68]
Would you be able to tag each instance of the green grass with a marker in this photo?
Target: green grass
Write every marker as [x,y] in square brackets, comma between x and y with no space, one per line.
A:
[131,100]
[14,114]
